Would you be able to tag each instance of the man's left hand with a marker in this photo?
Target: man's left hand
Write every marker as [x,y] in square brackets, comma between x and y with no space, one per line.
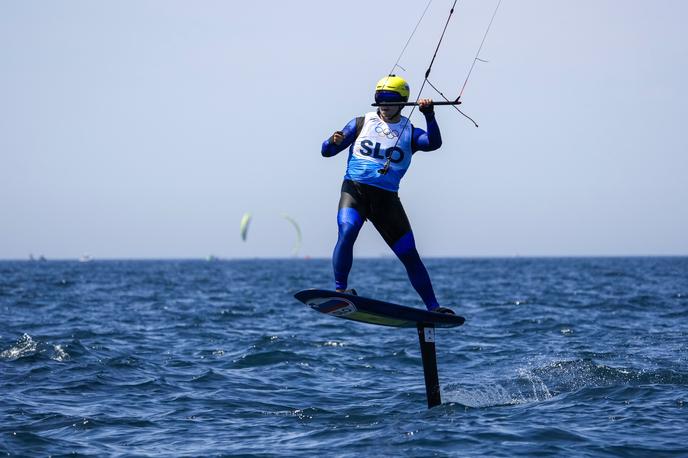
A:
[426,106]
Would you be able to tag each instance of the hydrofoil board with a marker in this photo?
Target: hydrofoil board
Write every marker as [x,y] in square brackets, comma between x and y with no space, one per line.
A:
[373,311]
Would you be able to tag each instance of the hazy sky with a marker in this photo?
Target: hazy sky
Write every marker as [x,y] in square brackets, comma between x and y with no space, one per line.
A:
[137,129]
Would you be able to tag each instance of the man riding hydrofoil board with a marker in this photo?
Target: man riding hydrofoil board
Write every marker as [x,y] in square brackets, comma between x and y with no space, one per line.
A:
[381,145]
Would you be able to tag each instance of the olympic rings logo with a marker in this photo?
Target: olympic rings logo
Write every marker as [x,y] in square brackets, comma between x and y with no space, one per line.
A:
[386,132]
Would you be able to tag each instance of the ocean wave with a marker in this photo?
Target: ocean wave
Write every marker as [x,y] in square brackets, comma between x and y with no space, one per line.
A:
[26,348]
[542,383]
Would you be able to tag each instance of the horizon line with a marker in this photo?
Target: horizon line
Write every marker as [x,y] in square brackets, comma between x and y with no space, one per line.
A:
[213,258]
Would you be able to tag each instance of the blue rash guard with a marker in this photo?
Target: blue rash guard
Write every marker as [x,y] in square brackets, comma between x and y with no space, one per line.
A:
[371,141]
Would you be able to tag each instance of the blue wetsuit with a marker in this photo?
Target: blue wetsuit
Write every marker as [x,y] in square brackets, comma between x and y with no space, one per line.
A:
[367,194]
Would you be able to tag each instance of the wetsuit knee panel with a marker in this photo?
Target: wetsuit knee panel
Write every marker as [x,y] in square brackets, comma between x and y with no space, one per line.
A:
[405,245]
[349,216]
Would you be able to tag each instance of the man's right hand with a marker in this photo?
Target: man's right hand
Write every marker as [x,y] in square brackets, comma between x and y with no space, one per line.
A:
[338,137]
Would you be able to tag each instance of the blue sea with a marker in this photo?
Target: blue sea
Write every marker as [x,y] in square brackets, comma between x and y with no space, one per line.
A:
[558,357]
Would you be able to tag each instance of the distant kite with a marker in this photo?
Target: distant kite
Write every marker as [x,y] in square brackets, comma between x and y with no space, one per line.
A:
[297,246]
[245,220]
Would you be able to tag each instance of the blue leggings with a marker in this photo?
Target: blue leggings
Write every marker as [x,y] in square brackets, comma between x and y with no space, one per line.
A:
[359,202]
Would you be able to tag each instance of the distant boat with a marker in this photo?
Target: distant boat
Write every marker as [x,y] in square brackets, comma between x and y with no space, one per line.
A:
[212,258]
[85,258]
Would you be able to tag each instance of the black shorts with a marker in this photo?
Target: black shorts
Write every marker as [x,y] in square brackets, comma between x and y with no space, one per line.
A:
[383,208]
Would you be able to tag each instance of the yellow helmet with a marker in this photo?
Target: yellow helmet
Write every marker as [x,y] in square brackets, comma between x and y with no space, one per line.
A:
[393,84]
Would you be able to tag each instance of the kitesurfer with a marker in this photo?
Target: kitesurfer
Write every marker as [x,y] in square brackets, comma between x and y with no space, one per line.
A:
[381,145]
